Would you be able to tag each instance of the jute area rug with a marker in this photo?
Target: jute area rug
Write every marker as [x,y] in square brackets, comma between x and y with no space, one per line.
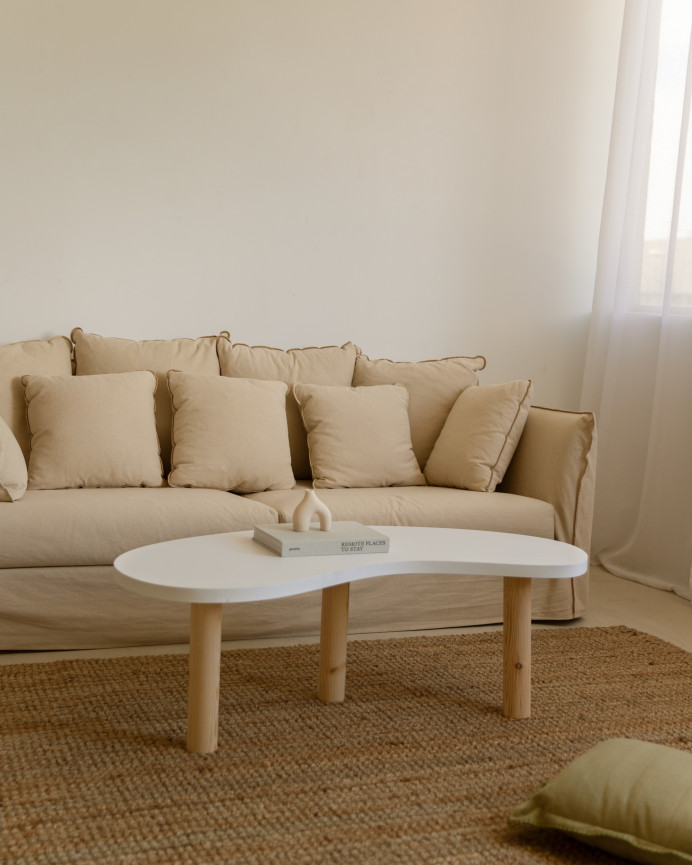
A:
[417,766]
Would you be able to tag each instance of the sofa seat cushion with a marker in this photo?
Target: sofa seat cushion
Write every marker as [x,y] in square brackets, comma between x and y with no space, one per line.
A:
[425,506]
[93,526]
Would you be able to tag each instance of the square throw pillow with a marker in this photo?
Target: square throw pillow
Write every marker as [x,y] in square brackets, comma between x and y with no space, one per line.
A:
[229,434]
[13,473]
[329,364]
[432,385]
[96,354]
[480,436]
[92,431]
[37,356]
[358,436]
[630,798]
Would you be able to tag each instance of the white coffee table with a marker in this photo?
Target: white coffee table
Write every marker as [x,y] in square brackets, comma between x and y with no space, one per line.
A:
[212,570]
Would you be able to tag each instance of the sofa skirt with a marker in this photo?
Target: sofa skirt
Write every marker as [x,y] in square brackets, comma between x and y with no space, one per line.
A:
[46,609]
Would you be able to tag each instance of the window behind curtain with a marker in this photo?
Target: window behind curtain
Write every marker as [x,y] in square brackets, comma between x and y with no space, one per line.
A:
[666,281]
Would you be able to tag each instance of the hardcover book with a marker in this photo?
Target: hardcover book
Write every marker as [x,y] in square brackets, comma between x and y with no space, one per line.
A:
[344,538]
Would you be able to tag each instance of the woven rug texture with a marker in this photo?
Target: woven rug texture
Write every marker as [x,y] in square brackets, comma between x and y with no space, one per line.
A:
[417,766]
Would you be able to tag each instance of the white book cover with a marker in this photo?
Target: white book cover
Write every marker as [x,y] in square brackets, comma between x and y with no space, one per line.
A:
[344,538]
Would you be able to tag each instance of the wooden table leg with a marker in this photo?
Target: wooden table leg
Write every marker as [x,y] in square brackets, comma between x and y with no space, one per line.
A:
[331,685]
[516,697]
[205,670]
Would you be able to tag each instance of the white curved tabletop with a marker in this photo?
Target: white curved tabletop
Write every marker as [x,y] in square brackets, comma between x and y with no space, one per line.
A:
[232,568]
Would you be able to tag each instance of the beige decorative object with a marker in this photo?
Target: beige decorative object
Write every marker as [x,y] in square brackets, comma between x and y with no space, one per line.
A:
[432,385]
[331,364]
[480,436]
[229,433]
[358,436]
[309,508]
[92,431]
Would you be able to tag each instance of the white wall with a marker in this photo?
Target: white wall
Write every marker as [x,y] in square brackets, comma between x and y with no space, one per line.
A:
[423,177]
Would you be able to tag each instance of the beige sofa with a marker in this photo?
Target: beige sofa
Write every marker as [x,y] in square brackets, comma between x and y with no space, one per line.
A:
[385,443]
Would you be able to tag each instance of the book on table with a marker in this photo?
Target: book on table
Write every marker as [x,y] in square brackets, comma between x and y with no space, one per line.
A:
[344,538]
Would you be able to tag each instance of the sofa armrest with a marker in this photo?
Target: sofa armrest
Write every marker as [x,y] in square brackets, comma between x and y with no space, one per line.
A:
[555,461]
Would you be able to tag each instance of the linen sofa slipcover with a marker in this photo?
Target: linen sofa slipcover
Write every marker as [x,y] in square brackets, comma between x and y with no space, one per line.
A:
[57,546]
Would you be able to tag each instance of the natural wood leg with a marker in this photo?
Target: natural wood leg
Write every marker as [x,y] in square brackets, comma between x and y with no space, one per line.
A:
[516,699]
[331,686]
[205,668]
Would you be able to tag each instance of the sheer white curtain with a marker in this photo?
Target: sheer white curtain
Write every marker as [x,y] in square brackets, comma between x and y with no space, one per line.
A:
[638,375]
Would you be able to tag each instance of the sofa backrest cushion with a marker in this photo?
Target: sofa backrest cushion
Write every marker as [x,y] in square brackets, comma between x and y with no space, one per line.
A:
[92,431]
[13,473]
[433,387]
[358,436]
[96,354]
[40,356]
[480,436]
[327,365]
[229,433]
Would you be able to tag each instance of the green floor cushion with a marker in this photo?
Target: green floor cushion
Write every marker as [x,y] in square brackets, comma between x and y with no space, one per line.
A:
[630,798]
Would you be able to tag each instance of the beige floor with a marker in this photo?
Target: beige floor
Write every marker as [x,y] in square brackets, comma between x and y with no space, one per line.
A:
[613,601]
